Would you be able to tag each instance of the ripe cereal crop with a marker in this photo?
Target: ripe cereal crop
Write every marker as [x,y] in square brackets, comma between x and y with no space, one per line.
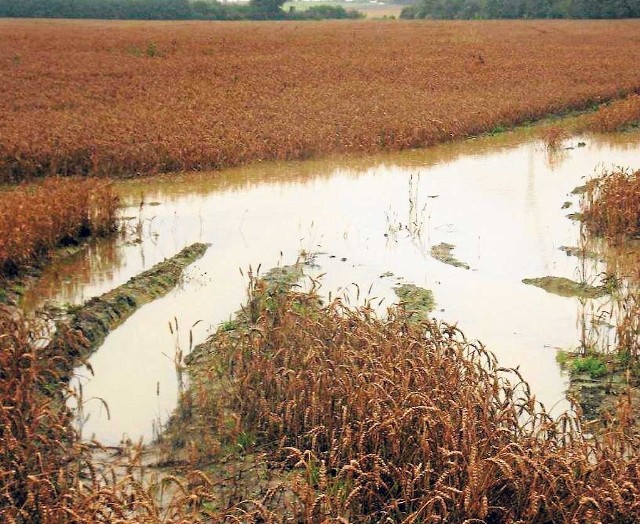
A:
[612,205]
[401,421]
[37,218]
[339,415]
[125,98]
[616,116]
[360,419]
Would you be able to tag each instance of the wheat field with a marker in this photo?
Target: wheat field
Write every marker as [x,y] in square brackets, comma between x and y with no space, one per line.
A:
[126,98]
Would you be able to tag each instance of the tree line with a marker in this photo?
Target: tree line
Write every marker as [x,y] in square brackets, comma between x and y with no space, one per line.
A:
[486,9]
[167,10]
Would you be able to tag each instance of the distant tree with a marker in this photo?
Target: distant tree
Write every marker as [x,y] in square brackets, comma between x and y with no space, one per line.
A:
[523,9]
[174,9]
[492,8]
[272,9]
[321,12]
[472,9]
[559,9]
[267,9]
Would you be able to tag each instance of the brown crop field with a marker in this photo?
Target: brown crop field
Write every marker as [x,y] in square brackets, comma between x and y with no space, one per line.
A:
[616,116]
[397,421]
[362,421]
[120,98]
[37,218]
[612,205]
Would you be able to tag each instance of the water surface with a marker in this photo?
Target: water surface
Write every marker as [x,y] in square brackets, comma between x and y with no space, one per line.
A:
[498,200]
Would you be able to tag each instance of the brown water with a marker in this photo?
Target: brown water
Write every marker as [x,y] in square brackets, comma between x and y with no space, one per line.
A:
[497,199]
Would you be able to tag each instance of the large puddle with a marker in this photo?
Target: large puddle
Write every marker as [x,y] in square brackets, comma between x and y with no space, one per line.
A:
[498,200]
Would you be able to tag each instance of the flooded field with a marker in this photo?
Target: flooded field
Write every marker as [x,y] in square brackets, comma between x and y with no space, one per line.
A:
[497,205]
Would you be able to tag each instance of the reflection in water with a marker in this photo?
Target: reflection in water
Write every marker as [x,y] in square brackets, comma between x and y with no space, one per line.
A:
[70,280]
[373,222]
[611,324]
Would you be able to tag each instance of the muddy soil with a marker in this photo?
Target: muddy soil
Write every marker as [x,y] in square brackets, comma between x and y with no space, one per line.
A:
[84,330]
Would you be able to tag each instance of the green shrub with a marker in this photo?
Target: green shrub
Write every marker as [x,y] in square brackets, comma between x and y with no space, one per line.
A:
[592,364]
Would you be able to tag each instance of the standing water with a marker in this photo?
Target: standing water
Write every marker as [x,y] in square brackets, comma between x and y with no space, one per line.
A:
[501,202]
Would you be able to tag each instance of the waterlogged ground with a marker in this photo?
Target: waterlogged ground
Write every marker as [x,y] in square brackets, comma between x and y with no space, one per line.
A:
[497,204]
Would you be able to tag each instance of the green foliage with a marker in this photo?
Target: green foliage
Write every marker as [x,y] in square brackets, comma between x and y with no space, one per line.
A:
[321,12]
[245,441]
[591,364]
[213,10]
[487,9]
[152,50]
[562,357]
[107,9]
[228,325]
[164,10]
[267,9]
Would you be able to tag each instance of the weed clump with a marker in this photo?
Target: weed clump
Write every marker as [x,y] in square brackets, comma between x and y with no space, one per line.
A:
[593,365]
[417,302]
[444,253]
[554,137]
[566,287]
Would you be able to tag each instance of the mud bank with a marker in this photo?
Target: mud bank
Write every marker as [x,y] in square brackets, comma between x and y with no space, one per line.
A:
[444,253]
[565,287]
[85,330]
[417,302]
[601,384]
